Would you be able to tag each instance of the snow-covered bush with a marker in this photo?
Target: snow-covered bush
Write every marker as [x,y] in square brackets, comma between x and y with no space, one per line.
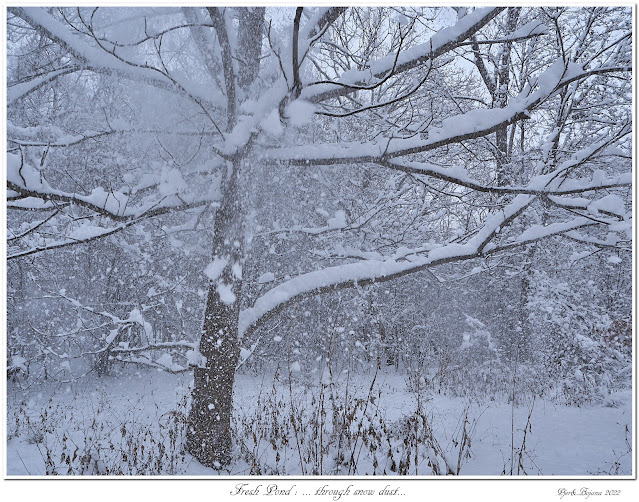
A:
[574,355]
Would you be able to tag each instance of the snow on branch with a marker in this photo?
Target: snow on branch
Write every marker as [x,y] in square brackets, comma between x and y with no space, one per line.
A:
[473,124]
[381,270]
[369,271]
[21,89]
[28,183]
[538,185]
[99,59]
[529,30]
[443,41]
[81,235]
[64,140]
[33,228]
[611,241]
[124,353]
[610,205]
[160,364]
[553,183]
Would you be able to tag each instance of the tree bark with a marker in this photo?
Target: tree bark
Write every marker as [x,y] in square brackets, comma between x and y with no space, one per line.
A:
[501,100]
[208,436]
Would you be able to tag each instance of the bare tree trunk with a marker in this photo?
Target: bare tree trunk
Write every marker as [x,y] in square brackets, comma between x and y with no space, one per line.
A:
[209,429]
[501,100]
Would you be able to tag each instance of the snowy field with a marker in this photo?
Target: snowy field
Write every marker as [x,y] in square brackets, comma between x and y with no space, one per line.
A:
[134,425]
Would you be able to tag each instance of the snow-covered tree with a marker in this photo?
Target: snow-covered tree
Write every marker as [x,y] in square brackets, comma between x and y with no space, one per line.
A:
[369,143]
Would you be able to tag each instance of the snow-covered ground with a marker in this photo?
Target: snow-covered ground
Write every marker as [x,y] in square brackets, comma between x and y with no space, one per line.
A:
[53,425]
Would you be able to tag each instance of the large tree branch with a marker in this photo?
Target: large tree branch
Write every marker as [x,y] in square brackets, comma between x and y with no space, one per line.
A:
[297,83]
[318,25]
[71,241]
[27,182]
[97,59]
[227,64]
[443,41]
[22,89]
[102,205]
[483,71]
[369,271]
[203,41]
[474,124]
[552,183]
[33,228]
